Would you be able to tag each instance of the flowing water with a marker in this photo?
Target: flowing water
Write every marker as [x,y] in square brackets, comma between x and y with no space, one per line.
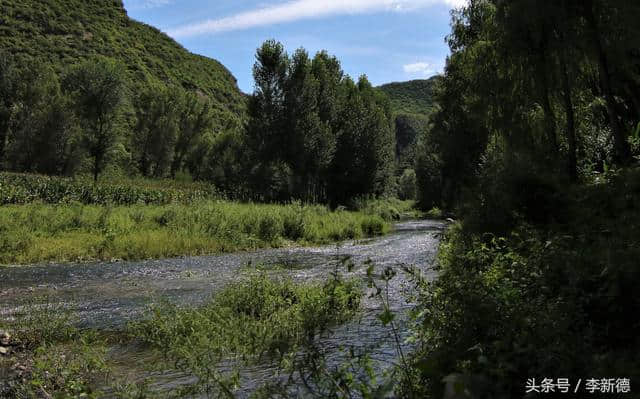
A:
[106,295]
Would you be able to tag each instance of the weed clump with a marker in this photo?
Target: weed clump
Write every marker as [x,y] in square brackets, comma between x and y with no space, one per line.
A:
[247,321]
[252,317]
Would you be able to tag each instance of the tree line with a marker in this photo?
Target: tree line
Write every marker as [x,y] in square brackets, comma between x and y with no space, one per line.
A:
[534,147]
[314,133]
[89,118]
[533,91]
[310,133]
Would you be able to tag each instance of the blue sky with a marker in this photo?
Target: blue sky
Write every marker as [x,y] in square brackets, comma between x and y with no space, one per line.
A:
[388,40]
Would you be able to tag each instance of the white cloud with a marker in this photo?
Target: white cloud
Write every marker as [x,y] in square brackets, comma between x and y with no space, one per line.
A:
[422,69]
[147,4]
[456,3]
[302,9]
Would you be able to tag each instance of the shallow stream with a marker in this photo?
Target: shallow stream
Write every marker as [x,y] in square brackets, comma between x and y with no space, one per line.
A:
[105,295]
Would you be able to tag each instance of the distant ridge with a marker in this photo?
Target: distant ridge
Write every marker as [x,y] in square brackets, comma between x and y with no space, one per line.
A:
[413,103]
[412,97]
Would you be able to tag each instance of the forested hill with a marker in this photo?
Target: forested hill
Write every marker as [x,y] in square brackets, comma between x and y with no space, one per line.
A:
[412,97]
[65,31]
[412,103]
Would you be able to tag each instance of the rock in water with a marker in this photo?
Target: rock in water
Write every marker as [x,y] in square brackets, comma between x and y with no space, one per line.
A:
[5,338]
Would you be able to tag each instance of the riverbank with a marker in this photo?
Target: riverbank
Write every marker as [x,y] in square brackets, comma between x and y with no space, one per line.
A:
[211,295]
[35,233]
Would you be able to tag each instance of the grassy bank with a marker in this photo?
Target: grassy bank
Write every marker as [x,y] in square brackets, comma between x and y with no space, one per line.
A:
[75,232]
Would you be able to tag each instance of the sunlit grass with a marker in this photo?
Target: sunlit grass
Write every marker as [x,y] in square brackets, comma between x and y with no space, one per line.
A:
[40,233]
[389,209]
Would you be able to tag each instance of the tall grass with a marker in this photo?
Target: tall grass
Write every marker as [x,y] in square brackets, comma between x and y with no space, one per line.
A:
[389,209]
[256,316]
[247,321]
[74,232]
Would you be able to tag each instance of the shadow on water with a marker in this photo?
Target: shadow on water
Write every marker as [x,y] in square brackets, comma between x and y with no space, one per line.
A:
[106,295]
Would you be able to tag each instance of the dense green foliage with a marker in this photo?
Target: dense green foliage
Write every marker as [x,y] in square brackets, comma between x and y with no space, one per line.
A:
[413,103]
[86,90]
[409,128]
[390,209]
[51,357]
[90,120]
[531,89]
[311,133]
[97,90]
[314,134]
[407,185]
[75,232]
[533,146]
[539,301]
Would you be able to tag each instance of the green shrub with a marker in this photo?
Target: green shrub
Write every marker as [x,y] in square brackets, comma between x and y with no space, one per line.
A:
[293,224]
[373,227]
[248,319]
[435,213]
[51,357]
[407,185]
[252,316]
[42,323]
[269,227]
[389,209]
[67,372]
[503,304]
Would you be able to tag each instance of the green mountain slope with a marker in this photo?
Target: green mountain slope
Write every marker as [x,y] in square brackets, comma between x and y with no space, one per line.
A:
[65,31]
[412,97]
[412,103]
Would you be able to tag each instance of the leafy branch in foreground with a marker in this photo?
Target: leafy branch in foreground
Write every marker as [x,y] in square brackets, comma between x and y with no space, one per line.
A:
[319,372]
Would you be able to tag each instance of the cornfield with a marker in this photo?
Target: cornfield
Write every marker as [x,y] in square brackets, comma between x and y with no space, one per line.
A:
[25,189]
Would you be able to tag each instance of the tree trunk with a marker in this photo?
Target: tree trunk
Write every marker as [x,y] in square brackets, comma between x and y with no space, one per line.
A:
[549,118]
[3,141]
[144,164]
[5,123]
[176,164]
[571,123]
[96,168]
[621,146]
